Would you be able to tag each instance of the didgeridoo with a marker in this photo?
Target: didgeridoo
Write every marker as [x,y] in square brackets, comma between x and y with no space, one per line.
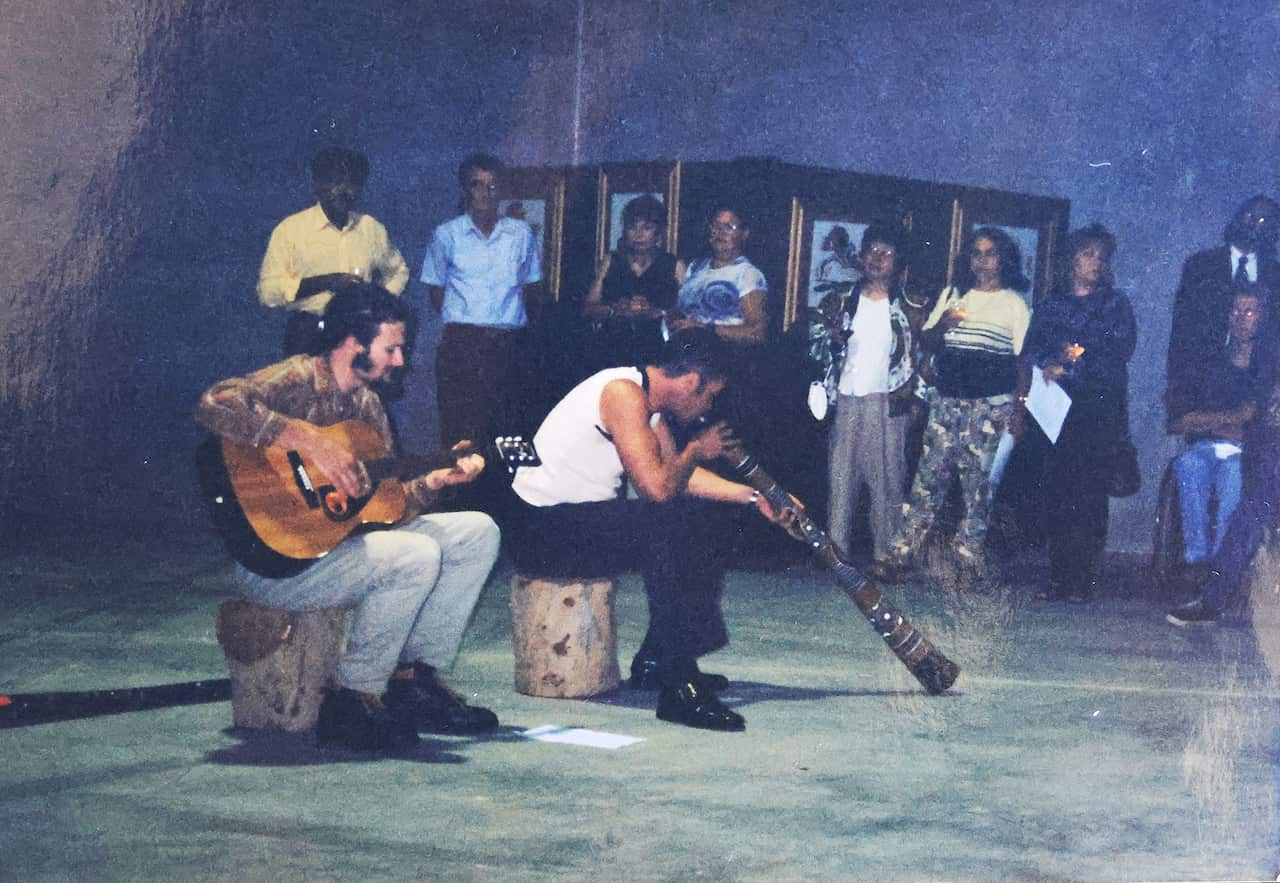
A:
[934,671]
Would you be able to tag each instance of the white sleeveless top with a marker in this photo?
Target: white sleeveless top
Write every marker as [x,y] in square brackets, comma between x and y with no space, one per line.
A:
[579,462]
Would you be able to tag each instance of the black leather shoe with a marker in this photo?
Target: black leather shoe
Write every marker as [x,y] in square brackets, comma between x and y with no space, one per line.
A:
[645,676]
[360,722]
[434,708]
[693,706]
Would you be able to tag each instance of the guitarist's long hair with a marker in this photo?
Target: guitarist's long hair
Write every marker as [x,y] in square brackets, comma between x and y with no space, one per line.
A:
[359,311]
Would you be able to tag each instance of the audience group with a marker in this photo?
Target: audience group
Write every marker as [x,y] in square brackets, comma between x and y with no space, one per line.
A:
[919,395]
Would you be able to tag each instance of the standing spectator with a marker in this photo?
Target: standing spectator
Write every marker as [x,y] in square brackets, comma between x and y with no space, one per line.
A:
[476,268]
[1210,278]
[325,249]
[869,382]
[975,339]
[725,290]
[1082,337]
[635,286]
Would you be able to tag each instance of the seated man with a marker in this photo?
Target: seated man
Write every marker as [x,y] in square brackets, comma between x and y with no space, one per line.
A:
[571,520]
[1250,521]
[412,588]
[325,249]
[1211,407]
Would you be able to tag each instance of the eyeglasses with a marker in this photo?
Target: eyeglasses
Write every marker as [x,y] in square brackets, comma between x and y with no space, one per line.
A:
[879,251]
[717,227]
[482,185]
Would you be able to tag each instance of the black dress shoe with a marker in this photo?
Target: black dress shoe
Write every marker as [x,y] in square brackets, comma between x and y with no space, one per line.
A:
[693,706]
[645,676]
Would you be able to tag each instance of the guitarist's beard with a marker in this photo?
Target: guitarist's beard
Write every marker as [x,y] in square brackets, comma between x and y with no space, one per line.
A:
[390,388]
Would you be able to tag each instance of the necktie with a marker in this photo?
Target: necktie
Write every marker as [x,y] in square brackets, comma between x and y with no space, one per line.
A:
[1242,271]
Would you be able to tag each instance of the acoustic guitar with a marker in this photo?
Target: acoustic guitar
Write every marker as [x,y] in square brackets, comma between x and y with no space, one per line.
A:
[277,513]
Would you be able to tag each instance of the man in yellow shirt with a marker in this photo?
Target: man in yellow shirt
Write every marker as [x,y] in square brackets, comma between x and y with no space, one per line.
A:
[327,248]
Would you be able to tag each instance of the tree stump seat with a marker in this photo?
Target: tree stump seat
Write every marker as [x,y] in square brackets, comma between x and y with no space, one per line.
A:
[563,636]
[280,662]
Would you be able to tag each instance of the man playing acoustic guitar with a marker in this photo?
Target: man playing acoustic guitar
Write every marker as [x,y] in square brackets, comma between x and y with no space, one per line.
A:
[411,588]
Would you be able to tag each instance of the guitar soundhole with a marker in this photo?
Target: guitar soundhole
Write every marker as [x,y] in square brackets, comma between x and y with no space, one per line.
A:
[336,504]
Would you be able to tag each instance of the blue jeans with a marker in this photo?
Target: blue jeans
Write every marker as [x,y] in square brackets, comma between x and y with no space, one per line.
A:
[1200,472]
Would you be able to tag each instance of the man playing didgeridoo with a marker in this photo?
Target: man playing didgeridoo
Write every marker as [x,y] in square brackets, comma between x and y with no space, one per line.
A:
[571,520]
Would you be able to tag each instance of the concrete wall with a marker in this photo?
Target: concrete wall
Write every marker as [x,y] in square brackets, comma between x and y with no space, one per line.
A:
[152,146]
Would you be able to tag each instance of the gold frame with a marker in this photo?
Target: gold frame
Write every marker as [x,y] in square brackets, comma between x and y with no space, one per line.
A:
[547,185]
[642,177]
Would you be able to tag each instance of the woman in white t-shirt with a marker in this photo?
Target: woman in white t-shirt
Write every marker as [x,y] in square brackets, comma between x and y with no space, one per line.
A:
[724,290]
[869,384]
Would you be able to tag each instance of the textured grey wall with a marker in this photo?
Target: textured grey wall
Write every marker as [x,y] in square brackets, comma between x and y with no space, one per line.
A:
[152,146]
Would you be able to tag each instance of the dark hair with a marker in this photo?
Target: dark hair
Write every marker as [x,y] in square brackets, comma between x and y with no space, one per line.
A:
[359,311]
[1253,289]
[743,219]
[482,161]
[1078,241]
[1011,275]
[695,351]
[645,207]
[1235,227]
[889,234]
[335,163]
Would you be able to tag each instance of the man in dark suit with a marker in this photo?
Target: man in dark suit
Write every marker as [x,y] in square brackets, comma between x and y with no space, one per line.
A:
[1202,306]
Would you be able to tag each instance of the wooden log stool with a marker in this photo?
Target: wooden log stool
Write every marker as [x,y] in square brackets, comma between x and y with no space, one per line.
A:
[280,662]
[563,636]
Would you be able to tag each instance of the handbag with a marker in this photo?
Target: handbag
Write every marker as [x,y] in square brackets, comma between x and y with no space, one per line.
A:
[1125,478]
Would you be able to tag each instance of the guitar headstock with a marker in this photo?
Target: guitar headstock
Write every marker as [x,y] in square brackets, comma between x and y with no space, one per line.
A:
[515,451]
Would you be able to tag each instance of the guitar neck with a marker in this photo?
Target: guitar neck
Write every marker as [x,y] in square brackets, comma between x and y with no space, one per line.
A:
[410,466]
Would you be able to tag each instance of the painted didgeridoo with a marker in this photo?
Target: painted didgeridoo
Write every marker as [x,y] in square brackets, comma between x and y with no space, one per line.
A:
[934,671]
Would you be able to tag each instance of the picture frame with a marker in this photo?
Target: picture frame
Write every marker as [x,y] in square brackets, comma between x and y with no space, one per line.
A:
[824,242]
[619,183]
[537,196]
[1035,223]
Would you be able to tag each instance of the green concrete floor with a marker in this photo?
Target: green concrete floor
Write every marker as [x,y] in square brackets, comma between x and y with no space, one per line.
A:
[1093,743]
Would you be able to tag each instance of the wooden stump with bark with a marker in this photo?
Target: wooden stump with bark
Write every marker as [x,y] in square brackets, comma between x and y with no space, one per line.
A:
[280,662]
[563,636]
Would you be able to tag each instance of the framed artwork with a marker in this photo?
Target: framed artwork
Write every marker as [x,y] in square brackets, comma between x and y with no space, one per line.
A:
[537,196]
[621,183]
[823,252]
[1034,224]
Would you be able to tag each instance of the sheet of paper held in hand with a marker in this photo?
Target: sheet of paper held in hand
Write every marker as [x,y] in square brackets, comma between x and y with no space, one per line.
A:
[1048,403]
[579,736]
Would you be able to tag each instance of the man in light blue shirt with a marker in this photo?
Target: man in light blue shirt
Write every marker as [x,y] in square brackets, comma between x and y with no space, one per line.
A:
[475,270]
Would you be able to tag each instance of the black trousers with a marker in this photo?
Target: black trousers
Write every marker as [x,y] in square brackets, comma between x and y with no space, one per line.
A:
[1070,497]
[473,365]
[678,547]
